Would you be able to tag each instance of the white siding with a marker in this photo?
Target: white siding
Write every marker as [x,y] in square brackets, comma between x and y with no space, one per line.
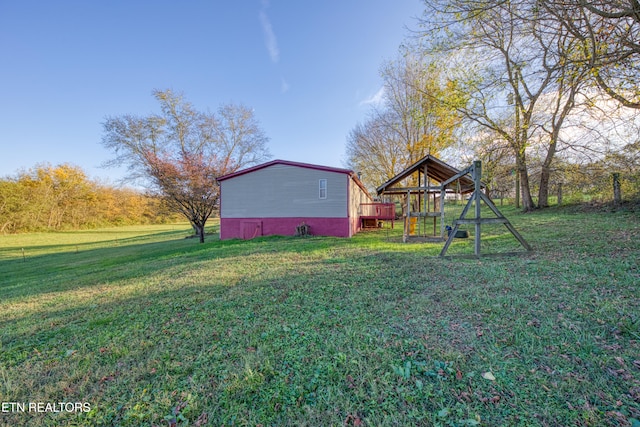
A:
[357,196]
[279,191]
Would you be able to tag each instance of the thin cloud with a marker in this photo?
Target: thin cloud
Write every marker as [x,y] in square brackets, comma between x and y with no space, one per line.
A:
[375,100]
[269,36]
[284,86]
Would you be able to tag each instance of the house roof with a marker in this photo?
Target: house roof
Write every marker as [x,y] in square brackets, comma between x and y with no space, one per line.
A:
[349,172]
[284,162]
[436,169]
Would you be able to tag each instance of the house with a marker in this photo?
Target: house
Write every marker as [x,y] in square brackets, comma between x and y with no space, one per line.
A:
[278,196]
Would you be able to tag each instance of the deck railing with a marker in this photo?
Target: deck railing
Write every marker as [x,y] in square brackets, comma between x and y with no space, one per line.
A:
[378,210]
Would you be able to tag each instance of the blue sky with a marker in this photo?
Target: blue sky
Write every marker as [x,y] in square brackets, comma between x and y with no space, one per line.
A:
[309,69]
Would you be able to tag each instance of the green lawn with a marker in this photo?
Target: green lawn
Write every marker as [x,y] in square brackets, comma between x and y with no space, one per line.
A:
[145,327]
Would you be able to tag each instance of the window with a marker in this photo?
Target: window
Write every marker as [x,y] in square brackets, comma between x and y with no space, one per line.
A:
[322,189]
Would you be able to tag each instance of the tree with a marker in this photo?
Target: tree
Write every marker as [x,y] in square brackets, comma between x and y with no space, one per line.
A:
[374,151]
[416,118]
[609,33]
[11,199]
[58,197]
[419,99]
[511,57]
[180,152]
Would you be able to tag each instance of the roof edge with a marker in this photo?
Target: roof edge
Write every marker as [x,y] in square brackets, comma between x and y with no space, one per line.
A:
[417,165]
[284,162]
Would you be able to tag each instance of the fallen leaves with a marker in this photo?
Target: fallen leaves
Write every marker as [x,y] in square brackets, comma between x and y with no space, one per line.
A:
[353,420]
[108,378]
[488,376]
[534,323]
[202,420]
[351,382]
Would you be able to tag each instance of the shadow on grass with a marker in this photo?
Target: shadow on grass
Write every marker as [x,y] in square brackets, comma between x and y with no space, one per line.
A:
[75,247]
[87,264]
[284,333]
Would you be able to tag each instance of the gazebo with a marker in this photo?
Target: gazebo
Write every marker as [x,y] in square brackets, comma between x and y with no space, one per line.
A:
[424,186]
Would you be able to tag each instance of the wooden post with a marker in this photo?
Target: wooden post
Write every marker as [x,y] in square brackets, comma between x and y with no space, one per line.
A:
[517,188]
[435,207]
[407,218]
[443,194]
[617,196]
[559,193]
[427,207]
[477,174]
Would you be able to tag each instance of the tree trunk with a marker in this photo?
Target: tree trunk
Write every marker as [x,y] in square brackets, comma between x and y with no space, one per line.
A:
[559,194]
[517,189]
[527,200]
[545,173]
[617,195]
[543,192]
[200,232]
[198,229]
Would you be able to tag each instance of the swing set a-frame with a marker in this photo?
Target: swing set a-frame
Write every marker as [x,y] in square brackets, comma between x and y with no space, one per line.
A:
[426,200]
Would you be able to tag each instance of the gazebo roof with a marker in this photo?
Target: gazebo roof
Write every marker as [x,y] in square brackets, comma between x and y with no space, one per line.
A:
[436,170]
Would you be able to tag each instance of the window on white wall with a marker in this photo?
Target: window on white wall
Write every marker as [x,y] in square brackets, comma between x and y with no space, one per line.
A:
[322,189]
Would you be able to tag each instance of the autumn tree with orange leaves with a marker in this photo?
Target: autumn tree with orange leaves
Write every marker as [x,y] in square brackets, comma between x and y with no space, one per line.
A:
[181,151]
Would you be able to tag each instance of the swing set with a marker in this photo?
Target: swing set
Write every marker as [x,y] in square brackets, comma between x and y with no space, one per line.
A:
[436,181]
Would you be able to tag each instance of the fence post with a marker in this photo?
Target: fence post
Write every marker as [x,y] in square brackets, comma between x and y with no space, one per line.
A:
[477,183]
[617,196]
[559,193]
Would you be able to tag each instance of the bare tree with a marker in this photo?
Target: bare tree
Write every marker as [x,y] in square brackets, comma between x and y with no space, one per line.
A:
[179,152]
[416,118]
[609,34]
[373,149]
[512,56]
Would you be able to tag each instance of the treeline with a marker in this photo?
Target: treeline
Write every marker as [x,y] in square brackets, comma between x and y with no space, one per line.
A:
[544,92]
[573,179]
[593,181]
[63,197]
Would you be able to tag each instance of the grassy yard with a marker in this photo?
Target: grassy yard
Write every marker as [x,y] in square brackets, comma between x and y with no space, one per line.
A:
[142,327]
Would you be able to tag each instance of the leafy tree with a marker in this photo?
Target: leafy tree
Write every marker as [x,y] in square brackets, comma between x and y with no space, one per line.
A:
[58,197]
[180,152]
[416,118]
[11,197]
[419,99]
[54,197]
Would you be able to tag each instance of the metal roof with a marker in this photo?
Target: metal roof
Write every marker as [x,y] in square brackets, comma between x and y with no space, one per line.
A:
[436,170]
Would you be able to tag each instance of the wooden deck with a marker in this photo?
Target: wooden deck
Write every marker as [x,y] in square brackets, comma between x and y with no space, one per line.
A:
[371,213]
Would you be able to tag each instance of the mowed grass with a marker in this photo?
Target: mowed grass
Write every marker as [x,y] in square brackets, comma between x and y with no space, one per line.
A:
[150,328]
